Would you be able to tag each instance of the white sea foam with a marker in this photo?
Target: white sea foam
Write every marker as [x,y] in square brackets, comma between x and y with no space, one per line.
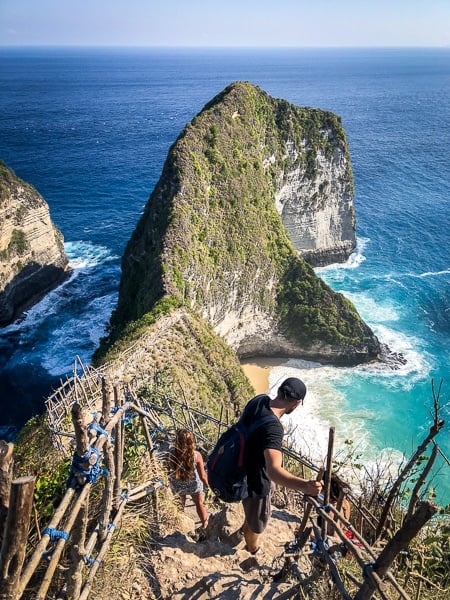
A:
[77,336]
[71,319]
[83,254]
[353,262]
[375,310]
[326,406]
[43,309]
[432,274]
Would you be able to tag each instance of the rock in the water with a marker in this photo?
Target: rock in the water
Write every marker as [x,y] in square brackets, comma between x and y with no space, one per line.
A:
[32,258]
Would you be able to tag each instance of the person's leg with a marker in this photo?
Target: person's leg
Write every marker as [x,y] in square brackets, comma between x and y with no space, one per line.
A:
[257,514]
[201,509]
[251,538]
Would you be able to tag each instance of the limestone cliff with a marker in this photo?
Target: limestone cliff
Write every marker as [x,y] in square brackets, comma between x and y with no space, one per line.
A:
[317,205]
[212,238]
[32,258]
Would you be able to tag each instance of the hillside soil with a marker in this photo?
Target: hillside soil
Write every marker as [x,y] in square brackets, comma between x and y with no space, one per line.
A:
[185,567]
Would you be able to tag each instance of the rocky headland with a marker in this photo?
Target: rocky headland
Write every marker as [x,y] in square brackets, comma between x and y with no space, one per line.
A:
[251,188]
[32,258]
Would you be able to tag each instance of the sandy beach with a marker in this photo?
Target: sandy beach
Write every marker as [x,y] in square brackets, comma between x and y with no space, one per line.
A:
[258,371]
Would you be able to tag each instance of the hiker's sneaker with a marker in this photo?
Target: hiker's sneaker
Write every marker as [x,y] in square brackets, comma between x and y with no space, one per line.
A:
[200,534]
[255,552]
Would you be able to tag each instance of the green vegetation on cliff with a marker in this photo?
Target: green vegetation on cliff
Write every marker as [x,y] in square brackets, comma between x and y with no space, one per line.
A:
[210,234]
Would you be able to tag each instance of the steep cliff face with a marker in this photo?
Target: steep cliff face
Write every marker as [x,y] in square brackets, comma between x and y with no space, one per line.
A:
[317,209]
[32,258]
[211,234]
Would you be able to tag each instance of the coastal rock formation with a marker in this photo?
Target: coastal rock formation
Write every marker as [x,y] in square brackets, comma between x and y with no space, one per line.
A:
[314,186]
[211,237]
[32,258]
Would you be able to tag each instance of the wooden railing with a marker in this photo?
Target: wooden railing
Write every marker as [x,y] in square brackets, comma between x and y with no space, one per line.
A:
[81,541]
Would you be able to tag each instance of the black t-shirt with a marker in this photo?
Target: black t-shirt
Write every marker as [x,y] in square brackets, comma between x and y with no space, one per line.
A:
[268,435]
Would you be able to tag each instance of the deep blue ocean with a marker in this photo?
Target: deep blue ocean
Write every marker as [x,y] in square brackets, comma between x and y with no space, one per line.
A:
[90,129]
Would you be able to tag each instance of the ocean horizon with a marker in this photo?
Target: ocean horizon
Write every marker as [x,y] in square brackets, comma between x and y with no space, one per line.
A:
[91,128]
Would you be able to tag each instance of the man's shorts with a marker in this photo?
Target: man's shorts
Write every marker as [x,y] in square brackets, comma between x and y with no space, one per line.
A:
[257,512]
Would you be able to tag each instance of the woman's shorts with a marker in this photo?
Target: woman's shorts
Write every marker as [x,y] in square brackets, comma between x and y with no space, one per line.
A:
[257,511]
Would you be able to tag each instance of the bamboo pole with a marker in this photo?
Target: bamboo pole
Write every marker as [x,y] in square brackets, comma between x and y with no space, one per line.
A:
[42,545]
[12,554]
[148,437]
[108,491]
[434,430]
[401,539]
[59,547]
[331,565]
[74,576]
[6,473]
[79,424]
[144,490]
[87,587]
[329,466]
[415,493]
[352,547]
[107,398]
[118,455]
[308,507]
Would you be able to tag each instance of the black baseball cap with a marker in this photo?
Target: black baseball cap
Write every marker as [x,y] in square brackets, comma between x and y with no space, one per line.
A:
[293,388]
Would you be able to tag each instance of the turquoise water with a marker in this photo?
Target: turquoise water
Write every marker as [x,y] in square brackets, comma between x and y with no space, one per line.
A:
[90,129]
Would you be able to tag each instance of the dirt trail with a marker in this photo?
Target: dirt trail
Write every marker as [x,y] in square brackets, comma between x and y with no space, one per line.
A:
[219,566]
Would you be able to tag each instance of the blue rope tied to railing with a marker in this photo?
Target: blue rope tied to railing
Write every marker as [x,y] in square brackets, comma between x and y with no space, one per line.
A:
[96,427]
[368,567]
[316,549]
[55,534]
[90,474]
[90,561]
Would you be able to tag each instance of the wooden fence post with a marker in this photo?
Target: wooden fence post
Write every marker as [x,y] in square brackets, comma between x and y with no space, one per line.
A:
[308,508]
[77,551]
[401,539]
[434,430]
[107,398]
[329,466]
[108,490]
[6,469]
[118,454]
[14,544]
[79,425]
[420,481]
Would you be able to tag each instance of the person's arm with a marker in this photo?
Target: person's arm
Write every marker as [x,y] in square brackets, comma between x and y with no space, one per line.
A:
[201,469]
[345,509]
[278,474]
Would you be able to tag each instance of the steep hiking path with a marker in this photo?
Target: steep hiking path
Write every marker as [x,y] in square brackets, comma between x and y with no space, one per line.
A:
[219,566]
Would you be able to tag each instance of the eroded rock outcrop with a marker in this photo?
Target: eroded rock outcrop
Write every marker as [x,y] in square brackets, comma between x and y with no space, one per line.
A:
[32,258]
[211,235]
[314,188]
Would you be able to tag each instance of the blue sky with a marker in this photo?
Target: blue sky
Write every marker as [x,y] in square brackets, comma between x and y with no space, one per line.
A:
[226,23]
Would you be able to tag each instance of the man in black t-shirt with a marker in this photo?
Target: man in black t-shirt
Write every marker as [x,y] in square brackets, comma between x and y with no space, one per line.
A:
[264,458]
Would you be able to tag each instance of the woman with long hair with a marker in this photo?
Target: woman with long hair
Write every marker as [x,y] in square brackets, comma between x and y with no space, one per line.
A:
[187,473]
